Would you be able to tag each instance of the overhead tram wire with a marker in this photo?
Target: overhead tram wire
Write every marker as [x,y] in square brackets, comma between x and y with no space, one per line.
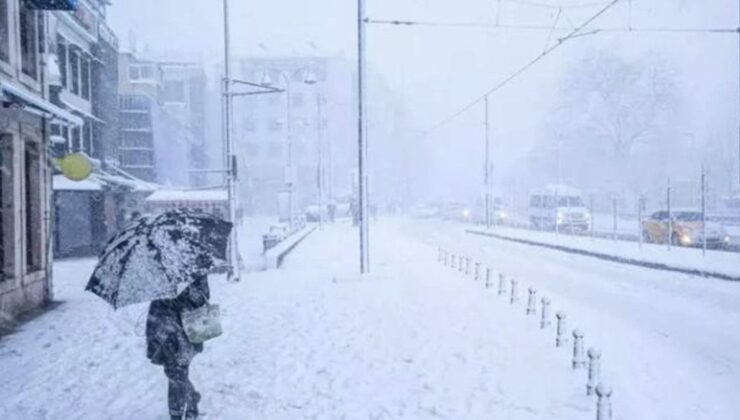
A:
[572,34]
[548,28]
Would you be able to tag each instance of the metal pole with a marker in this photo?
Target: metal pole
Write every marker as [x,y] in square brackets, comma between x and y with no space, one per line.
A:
[289,172]
[703,210]
[670,215]
[639,219]
[591,210]
[321,160]
[228,145]
[487,169]
[614,218]
[362,141]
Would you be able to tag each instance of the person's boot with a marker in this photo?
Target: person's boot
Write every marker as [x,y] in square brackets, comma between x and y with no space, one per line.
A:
[192,411]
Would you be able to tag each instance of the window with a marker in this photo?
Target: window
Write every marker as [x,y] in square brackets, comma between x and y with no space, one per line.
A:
[136,139]
[32,202]
[74,66]
[174,91]
[29,42]
[87,143]
[62,56]
[4,32]
[138,72]
[6,208]
[76,139]
[85,77]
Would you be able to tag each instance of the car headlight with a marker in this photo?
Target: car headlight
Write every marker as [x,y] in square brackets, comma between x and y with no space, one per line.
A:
[503,215]
[685,239]
[466,213]
[727,239]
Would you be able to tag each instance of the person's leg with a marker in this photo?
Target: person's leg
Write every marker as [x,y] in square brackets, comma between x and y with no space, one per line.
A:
[179,389]
[193,395]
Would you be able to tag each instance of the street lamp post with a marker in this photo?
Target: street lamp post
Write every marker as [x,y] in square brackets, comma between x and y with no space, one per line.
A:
[289,171]
[362,142]
[228,149]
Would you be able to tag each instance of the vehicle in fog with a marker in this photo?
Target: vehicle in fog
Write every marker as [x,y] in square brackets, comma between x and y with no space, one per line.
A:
[456,211]
[558,207]
[685,229]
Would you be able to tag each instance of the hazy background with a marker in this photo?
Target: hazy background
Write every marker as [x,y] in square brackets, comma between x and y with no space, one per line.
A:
[437,70]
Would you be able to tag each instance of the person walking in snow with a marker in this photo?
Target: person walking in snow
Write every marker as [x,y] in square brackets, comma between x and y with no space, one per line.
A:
[169,346]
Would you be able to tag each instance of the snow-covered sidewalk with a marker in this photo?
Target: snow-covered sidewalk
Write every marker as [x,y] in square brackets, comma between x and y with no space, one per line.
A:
[714,263]
[312,340]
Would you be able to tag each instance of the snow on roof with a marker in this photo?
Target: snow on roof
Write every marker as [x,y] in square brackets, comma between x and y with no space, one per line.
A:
[62,183]
[187,195]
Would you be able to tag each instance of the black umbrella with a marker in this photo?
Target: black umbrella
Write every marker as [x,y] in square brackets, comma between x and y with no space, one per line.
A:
[152,256]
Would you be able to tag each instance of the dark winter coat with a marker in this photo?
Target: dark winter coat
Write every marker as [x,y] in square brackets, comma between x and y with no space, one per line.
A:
[165,336]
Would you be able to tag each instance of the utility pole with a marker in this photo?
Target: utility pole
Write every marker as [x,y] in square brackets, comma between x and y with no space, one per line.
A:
[670,215]
[703,210]
[320,149]
[362,142]
[487,169]
[228,147]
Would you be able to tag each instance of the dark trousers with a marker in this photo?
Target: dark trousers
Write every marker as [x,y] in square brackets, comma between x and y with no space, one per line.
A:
[181,395]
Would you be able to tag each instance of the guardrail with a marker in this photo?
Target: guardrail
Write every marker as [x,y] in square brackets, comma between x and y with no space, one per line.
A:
[274,256]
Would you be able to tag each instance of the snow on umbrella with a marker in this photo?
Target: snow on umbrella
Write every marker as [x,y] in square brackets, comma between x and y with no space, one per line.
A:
[151,257]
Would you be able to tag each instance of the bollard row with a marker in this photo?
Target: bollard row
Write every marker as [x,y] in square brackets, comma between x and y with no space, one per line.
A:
[590,360]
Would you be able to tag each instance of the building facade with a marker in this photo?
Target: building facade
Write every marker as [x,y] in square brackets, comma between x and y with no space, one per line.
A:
[26,116]
[162,120]
[304,135]
[85,83]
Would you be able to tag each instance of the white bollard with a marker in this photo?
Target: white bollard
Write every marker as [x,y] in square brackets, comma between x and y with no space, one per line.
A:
[461,264]
[594,369]
[545,321]
[604,404]
[476,272]
[439,254]
[532,302]
[454,261]
[501,284]
[467,266]
[514,291]
[562,337]
[447,259]
[579,358]
[489,273]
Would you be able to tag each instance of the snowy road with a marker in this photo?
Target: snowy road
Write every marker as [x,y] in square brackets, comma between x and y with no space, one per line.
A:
[309,341]
[670,341]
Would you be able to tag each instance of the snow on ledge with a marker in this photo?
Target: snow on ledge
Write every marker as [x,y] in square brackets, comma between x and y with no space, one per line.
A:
[62,183]
[187,195]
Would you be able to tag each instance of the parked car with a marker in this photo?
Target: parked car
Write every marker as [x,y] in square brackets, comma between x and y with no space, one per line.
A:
[558,207]
[685,229]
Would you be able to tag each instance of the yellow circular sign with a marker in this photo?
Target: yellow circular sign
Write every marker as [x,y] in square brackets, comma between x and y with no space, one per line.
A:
[76,167]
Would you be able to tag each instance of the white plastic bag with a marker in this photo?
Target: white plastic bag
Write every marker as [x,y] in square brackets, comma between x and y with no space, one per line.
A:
[202,324]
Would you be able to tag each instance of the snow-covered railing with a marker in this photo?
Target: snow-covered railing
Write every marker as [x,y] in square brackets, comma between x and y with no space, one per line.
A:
[603,391]
[274,256]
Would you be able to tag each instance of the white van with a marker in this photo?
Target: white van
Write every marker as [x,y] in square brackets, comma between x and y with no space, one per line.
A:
[558,207]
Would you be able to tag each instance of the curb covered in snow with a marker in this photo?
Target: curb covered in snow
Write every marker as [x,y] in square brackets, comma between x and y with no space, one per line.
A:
[274,256]
[609,257]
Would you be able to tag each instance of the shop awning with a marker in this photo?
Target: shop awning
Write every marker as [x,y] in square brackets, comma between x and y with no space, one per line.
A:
[61,183]
[22,96]
[53,4]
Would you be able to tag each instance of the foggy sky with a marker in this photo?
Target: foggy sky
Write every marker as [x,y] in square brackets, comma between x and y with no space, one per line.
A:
[437,70]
